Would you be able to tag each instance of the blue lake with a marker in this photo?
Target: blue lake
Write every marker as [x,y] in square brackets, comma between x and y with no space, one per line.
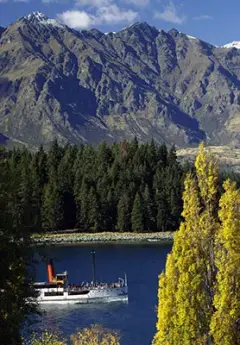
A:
[136,319]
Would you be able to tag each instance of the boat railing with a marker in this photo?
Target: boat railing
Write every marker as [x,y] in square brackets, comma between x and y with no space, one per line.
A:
[86,286]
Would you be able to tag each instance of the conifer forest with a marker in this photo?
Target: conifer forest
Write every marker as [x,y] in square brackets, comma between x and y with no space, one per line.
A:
[123,187]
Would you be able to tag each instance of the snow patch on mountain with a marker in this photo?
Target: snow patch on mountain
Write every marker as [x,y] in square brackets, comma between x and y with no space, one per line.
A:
[38,17]
[234,44]
[192,37]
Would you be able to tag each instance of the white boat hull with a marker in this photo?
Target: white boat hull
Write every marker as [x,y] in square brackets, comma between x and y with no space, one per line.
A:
[95,295]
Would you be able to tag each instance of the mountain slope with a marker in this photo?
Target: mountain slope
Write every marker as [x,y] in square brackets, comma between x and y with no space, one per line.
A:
[87,86]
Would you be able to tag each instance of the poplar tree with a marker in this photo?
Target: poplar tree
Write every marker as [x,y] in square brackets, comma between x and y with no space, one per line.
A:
[189,278]
[166,324]
[225,324]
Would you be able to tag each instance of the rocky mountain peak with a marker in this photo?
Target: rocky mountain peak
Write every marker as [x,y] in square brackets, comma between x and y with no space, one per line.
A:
[142,28]
[92,33]
[173,32]
[39,18]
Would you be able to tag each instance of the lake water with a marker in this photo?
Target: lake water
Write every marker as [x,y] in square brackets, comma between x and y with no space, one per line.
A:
[136,319]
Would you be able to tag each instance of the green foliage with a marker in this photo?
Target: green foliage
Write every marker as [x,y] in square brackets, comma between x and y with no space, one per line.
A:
[137,219]
[17,203]
[95,189]
[123,212]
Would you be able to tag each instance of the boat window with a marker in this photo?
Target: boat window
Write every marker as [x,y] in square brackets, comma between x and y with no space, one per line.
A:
[44,286]
[83,292]
[53,293]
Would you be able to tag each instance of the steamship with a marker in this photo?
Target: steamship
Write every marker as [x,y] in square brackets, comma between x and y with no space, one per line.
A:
[57,289]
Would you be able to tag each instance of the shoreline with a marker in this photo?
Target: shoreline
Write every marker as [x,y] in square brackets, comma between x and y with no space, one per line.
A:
[103,238]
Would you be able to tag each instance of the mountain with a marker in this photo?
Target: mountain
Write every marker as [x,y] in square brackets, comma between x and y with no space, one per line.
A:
[86,86]
[1,31]
[234,44]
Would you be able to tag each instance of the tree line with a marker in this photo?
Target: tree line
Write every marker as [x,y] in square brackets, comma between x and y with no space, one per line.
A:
[122,187]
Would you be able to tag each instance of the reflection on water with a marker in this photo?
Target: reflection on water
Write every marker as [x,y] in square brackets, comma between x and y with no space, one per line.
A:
[69,318]
[61,311]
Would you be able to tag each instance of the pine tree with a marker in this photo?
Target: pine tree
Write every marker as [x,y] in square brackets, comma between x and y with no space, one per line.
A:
[148,210]
[94,216]
[82,206]
[225,324]
[162,154]
[172,156]
[40,164]
[110,215]
[54,156]
[123,214]
[66,188]
[27,194]
[137,220]
[52,215]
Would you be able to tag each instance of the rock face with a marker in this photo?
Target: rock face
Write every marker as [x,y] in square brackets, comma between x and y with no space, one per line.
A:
[86,86]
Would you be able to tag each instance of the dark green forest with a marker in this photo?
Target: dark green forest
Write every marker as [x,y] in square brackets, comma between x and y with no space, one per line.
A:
[121,187]
[125,186]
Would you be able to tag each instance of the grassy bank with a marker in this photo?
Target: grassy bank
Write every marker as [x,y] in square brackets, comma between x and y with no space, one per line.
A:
[103,237]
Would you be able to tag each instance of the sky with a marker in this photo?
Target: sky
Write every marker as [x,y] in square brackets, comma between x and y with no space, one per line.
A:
[214,21]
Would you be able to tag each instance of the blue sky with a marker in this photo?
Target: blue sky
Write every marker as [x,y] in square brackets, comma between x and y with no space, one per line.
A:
[211,20]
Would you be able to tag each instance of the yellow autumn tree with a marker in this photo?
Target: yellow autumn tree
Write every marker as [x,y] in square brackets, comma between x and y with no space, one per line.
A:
[185,289]
[225,324]
[167,304]
[96,335]
[47,338]
[191,294]
[207,175]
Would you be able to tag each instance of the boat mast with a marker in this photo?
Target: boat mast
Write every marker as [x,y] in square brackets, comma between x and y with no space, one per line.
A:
[125,279]
[94,267]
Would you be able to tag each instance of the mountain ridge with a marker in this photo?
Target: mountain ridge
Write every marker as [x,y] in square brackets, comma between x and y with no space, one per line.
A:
[86,86]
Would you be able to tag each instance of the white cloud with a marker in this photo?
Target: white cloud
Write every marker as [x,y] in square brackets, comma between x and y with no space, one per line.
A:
[138,2]
[170,14]
[203,17]
[76,19]
[54,1]
[110,14]
[3,1]
[93,3]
